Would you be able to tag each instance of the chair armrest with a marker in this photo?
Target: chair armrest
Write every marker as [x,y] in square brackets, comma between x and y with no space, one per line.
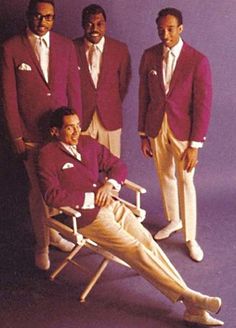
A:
[70,233]
[134,186]
[70,211]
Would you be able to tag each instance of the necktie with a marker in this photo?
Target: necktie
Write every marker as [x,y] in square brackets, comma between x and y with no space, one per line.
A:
[41,51]
[169,59]
[75,153]
[93,60]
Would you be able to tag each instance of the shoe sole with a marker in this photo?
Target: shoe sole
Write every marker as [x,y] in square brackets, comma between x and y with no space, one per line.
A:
[169,234]
[60,248]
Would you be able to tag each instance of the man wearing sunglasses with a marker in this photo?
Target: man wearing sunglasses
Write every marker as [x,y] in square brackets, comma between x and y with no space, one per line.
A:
[39,74]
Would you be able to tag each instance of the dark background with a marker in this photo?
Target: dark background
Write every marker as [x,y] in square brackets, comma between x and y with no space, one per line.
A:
[209,26]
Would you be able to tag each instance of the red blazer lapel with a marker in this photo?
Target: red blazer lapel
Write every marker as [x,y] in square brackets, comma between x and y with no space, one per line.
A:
[159,57]
[33,56]
[105,60]
[179,68]
[53,59]
[84,63]
[83,164]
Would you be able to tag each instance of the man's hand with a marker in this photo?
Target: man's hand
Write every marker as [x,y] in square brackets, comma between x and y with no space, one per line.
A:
[103,195]
[20,147]
[190,158]
[146,147]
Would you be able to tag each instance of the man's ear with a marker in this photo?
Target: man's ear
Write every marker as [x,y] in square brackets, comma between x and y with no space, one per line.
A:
[181,28]
[54,132]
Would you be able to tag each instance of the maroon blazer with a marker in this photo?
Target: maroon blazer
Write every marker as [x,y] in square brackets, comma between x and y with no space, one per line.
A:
[112,84]
[26,95]
[64,180]
[188,102]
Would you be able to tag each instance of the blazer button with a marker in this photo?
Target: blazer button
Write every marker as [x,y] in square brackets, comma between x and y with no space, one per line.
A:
[77,207]
[49,94]
[94,185]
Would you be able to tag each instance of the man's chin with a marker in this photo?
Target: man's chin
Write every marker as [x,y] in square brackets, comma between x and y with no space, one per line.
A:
[94,39]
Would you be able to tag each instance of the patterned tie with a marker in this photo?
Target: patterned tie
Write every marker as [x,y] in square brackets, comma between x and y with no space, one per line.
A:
[93,60]
[41,51]
[169,59]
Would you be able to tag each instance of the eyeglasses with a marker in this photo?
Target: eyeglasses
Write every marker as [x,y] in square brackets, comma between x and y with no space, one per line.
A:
[39,17]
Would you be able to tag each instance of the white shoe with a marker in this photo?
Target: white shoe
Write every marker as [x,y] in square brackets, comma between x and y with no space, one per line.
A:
[202,318]
[42,261]
[63,244]
[172,227]
[195,251]
[194,300]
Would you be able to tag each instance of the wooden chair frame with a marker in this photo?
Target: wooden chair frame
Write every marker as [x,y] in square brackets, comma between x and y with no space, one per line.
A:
[80,241]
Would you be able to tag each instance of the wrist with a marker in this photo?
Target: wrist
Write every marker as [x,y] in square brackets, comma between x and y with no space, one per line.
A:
[109,185]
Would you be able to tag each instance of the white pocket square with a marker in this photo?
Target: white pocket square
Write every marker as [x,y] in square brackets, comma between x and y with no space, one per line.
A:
[153,72]
[24,67]
[67,166]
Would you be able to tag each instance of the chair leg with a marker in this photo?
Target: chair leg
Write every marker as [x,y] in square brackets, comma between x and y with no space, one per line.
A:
[65,262]
[94,279]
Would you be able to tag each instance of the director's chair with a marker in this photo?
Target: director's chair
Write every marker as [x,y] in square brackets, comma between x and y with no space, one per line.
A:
[72,234]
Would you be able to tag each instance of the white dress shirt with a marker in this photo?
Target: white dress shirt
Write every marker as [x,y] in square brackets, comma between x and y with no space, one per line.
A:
[95,69]
[45,42]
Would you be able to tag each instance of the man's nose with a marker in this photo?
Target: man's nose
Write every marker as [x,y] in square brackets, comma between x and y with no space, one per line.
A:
[92,28]
[76,129]
[165,35]
[43,22]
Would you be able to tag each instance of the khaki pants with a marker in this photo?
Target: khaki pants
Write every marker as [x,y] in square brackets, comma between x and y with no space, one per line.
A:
[118,231]
[38,209]
[110,139]
[177,185]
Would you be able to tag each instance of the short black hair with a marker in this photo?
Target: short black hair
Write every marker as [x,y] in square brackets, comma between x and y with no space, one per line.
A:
[33,3]
[90,10]
[57,116]
[170,11]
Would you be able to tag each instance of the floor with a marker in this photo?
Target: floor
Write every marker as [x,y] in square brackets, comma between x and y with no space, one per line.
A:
[121,298]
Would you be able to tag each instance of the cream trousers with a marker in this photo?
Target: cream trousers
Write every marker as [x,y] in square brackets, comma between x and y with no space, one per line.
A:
[177,185]
[110,139]
[118,231]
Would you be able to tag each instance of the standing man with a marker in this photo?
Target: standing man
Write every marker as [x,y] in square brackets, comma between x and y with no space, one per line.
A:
[39,74]
[175,97]
[105,72]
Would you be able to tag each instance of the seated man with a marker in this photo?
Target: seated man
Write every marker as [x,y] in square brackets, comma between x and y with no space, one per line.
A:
[69,171]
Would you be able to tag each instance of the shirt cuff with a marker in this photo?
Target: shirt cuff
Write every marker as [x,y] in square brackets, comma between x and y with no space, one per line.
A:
[115,184]
[196,144]
[142,134]
[89,201]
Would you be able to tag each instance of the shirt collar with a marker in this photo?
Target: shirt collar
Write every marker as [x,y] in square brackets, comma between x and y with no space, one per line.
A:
[33,37]
[68,147]
[176,49]
[99,45]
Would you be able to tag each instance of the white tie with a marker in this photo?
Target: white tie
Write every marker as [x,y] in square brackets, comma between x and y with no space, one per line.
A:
[94,65]
[41,51]
[169,59]
[75,153]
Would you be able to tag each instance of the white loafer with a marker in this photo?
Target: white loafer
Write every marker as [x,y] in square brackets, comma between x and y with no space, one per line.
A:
[195,251]
[172,227]
[203,318]
[63,244]
[196,300]
[42,261]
